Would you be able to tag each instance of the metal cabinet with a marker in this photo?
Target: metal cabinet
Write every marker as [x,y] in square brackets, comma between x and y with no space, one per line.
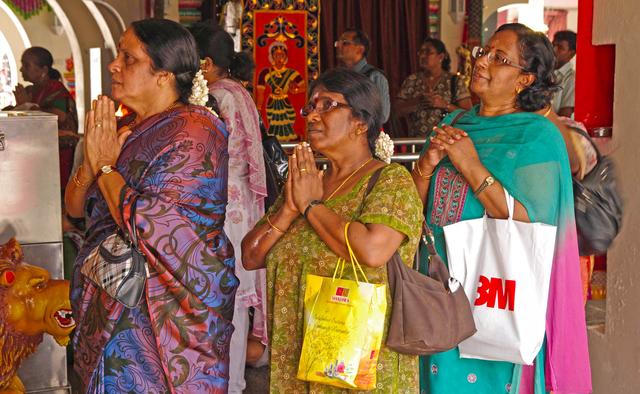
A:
[30,203]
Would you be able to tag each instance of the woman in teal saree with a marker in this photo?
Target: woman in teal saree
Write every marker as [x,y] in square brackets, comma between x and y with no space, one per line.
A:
[460,175]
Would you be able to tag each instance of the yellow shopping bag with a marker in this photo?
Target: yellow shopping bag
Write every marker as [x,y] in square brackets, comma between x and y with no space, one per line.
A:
[344,323]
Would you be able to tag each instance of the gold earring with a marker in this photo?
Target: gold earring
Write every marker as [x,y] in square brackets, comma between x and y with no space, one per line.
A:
[518,89]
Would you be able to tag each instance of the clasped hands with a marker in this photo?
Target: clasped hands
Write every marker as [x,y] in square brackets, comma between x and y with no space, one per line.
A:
[304,182]
[102,143]
[452,142]
[22,95]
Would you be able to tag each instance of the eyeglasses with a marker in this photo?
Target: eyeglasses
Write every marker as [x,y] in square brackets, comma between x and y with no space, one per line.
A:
[494,58]
[321,106]
[343,42]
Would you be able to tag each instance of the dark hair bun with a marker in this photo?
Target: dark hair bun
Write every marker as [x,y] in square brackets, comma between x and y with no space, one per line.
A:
[171,48]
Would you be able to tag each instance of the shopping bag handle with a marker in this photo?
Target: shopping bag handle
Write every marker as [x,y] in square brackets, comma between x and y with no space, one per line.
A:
[510,205]
[355,265]
[352,256]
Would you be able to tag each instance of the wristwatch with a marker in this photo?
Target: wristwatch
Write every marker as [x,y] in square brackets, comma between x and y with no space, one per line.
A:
[488,181]
[104,170]
[312,204]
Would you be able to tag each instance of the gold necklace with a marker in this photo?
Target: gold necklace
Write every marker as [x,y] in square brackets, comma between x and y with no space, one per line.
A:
[347,178]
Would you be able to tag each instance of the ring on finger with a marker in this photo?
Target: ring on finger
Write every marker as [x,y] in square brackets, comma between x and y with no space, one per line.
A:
[303,169]
[99,124]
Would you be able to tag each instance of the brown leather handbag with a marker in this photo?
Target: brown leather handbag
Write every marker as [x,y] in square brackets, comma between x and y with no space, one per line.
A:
[427,316]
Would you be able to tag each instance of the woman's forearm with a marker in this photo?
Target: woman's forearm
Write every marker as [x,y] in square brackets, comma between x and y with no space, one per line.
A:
[76,191]
[422,179]
[492,197]
[259,241]
[373,244]
[111,187]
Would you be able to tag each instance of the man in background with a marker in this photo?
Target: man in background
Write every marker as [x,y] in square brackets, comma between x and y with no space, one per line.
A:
[564,46]
[351,50]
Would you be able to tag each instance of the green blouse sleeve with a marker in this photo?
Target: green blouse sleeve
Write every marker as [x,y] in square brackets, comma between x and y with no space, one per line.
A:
[394,202]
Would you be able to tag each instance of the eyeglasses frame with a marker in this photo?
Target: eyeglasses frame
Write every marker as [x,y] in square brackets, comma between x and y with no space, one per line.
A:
[333,105]
[491,58]
[343,42]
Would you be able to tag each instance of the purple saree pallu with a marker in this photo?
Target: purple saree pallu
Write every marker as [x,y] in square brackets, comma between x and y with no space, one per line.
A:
[175,165]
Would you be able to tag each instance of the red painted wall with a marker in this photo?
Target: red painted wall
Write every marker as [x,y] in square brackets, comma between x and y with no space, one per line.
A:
[595,68]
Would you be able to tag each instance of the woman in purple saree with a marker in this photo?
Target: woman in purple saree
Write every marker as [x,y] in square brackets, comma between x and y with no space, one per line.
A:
[170,165]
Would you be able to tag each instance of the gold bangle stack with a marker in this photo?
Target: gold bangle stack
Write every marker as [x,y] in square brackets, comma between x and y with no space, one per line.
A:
[273,226]
[76,180]
[421,175]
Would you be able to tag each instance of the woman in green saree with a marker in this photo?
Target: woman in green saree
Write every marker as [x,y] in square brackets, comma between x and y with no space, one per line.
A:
[461,174]
[303,232]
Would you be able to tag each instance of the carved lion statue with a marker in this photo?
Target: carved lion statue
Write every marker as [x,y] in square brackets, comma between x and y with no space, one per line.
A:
[31,303]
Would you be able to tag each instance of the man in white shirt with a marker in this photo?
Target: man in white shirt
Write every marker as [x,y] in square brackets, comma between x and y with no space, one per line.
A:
[564,46]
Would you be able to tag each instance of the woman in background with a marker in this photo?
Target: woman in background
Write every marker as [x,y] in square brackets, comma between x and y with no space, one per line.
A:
[222,68]
[47,91]
[431,93]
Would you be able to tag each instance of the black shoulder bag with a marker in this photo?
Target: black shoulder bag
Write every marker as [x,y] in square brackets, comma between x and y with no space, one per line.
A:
[598,205]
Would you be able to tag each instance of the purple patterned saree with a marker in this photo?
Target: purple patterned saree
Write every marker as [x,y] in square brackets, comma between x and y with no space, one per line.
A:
[175,166]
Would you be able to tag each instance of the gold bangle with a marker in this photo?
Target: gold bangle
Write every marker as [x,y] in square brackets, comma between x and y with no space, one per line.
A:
[77,181]
[425,177]
[273,226]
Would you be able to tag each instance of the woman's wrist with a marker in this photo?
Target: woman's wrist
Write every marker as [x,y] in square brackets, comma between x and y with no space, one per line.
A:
[283,218]
[85,173]
[311,204]
[423,168]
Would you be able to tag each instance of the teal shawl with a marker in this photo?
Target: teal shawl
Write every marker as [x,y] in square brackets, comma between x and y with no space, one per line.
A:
[526,154]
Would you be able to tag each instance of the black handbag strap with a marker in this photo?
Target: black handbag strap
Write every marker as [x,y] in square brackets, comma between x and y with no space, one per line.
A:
[132,222]
[372,182]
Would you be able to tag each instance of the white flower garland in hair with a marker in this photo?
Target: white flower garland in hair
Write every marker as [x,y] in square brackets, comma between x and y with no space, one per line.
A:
[200,92]
[384,147]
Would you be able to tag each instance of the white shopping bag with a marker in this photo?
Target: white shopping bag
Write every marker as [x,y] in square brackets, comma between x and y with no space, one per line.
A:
[505,267]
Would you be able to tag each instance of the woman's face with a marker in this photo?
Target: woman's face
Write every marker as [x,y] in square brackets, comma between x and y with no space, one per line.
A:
[334,129]
[279,58]
[133,79]
[494,81]
[429,58]
[30,70]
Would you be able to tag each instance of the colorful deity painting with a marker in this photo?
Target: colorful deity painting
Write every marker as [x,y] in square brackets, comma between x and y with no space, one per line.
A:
[285,50]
